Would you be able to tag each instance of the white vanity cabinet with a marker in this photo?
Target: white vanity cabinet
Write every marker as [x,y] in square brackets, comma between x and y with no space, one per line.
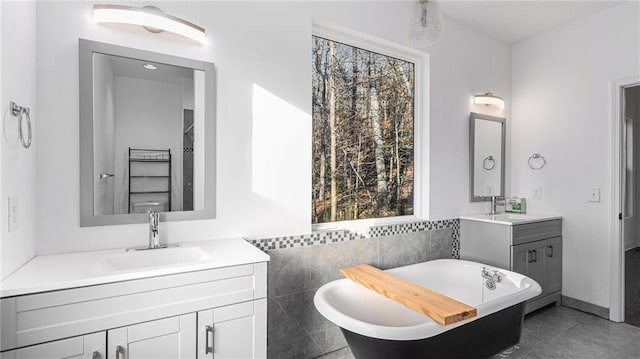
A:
[530,245]
[230,331]
[168,338]
[170,316]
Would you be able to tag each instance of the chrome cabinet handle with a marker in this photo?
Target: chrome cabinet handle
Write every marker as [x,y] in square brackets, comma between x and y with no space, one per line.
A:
[535,256]
[105,175]
[119,350]
[550,251]
[208,348]
[529,257]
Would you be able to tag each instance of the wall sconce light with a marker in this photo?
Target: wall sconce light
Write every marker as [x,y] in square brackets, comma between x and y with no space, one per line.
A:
[489,99]
[150,17]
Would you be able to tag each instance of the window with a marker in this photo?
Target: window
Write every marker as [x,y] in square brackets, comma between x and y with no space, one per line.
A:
[363,133]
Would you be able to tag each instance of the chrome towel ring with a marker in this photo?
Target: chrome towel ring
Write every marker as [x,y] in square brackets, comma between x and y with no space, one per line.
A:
[489,163]
[19,113]
[536,161]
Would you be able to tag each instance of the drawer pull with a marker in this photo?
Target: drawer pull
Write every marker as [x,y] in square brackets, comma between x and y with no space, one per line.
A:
[529,257]
[208,348]
[119,350]
[534,256]
[95,355]
[550,254]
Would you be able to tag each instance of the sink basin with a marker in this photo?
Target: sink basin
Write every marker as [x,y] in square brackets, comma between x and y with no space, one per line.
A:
[155,258]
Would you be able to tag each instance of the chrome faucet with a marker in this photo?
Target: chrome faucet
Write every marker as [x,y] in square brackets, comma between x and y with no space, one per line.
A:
[494,205]
[154,224]
[492,277]
[154,234]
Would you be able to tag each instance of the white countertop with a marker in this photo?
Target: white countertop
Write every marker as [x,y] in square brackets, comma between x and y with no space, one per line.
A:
[511,219]
[63,271]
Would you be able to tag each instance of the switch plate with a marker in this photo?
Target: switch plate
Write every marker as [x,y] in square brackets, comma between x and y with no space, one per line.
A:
[536,192]
[594,195]
[13,213]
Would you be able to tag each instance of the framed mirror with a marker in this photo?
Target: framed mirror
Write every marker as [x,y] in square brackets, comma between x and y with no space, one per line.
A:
[486,156]
[147,136]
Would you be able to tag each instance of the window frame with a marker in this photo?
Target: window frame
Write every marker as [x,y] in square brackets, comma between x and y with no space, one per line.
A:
[421,121]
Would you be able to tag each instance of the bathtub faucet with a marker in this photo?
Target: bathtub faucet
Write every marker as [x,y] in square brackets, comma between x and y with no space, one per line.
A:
[492,277]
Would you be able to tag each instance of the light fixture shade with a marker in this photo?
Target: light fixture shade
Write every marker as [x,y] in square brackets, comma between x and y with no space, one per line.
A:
[425,27]
[489,99]
[149,18]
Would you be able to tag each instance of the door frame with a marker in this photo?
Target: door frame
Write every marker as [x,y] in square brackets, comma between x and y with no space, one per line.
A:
[616,282]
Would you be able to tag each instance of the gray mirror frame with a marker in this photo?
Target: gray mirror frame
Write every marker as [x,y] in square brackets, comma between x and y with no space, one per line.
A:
[472,131]
[86,48]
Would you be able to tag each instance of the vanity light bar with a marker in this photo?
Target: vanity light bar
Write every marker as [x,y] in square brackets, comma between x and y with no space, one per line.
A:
[489,99]
[149,18]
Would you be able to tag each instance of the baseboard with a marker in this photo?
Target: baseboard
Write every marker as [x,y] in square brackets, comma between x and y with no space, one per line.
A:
[585,307]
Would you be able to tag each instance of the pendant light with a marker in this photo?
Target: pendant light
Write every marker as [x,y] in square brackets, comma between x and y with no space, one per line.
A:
[425,26]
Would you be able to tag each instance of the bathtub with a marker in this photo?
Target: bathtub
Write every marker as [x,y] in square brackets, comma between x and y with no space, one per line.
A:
[377,327]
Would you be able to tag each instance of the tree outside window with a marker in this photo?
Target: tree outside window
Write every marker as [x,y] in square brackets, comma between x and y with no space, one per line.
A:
[363,133]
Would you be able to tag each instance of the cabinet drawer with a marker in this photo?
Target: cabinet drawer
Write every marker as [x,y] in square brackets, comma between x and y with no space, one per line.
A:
[525,233]
[88,346]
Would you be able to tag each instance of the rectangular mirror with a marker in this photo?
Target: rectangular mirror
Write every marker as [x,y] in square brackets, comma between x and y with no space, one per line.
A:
[147,132]
[486,156]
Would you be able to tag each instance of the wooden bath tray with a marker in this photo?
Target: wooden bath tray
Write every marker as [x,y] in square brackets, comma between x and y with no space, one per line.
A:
[440,308]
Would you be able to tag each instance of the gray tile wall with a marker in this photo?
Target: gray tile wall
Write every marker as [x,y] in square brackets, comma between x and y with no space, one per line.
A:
[301,264]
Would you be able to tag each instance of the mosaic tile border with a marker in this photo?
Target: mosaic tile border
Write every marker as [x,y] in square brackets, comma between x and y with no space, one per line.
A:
[317,238]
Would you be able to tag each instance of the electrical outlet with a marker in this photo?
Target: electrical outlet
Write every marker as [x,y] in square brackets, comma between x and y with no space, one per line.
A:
[594,195]
[536,192]
[13,213]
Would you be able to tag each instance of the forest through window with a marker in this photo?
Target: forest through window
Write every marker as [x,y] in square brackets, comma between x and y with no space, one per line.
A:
[363,133]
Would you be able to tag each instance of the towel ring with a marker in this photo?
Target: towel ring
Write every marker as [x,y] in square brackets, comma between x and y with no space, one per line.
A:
[19,113]
[536,157]
[489,163]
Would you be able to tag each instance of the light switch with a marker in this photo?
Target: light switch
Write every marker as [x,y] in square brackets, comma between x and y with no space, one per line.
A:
[13,213]
[536,192]
[594,195]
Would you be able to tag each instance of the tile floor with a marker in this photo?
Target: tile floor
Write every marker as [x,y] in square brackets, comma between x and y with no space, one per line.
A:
[560,332]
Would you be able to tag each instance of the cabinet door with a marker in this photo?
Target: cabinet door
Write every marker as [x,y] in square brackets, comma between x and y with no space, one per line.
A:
[530,259]
[90,346]
[554,264]
[169,338]
[235,331]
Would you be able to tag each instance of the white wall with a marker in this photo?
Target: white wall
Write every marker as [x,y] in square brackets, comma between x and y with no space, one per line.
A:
[18,169]
[464,64]
[262,53]
[562,84]
[633,106]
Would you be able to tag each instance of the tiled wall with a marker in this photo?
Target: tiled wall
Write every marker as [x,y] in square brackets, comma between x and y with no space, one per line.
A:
[301,264]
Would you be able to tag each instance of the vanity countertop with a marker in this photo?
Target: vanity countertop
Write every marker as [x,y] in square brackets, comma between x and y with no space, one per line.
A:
[511,219]
[72,270]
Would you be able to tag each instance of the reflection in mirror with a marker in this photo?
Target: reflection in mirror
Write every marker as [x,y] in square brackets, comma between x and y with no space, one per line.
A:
[146,124]
[148,120]
[486,143]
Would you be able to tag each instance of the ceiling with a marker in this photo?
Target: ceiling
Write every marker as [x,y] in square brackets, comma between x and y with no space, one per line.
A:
[128,67]
[515,20]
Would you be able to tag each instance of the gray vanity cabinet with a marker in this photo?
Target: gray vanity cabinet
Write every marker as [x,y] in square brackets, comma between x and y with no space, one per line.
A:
[530,248]
[541,261]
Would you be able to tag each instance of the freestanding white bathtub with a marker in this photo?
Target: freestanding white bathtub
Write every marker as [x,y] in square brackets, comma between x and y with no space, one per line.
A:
[377,327]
